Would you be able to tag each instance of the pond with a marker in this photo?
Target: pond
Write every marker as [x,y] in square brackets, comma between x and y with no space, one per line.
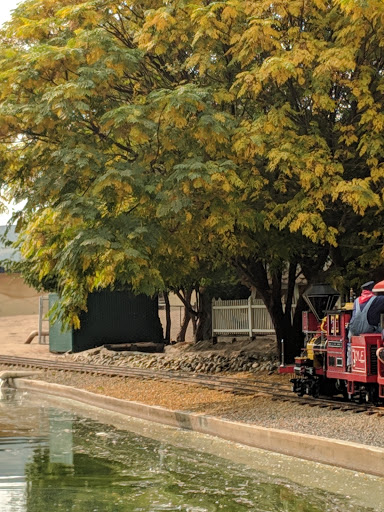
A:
[69,458]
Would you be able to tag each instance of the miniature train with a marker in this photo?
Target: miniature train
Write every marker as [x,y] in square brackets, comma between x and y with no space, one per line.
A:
[322,367]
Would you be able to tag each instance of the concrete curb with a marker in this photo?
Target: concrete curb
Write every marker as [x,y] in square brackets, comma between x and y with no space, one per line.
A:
[353,456]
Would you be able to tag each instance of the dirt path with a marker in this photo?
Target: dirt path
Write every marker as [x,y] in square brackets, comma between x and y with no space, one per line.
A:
[14,331]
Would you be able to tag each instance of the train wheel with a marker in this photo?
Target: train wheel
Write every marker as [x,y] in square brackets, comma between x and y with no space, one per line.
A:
[373,396]
[363,395]
[316,389]
[341,387]
[345,390]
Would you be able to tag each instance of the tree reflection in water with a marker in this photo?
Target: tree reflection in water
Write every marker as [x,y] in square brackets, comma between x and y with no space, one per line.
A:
[68,463]
[117,471]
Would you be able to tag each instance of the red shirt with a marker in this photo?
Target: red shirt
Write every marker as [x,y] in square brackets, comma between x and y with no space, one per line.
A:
[365,296]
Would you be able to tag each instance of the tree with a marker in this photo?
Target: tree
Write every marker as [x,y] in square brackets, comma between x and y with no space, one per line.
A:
[315,81]
[300,98]
[253,129]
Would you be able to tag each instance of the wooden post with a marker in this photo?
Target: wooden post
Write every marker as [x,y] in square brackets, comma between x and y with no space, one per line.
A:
[41,313]
[250,316]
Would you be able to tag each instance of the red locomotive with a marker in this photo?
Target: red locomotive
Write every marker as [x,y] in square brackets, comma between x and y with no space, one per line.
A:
[322,368]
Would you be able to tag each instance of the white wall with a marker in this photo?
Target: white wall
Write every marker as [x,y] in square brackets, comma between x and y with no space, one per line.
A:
[16,298]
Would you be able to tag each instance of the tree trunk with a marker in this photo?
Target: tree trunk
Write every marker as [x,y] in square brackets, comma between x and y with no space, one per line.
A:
[270,289]
[184,326]
[204,316]
[167,337]
[267,279]
[194,326]
[187,316]
[288,332]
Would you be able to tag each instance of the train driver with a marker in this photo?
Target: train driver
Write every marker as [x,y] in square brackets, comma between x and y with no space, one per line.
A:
[366,313]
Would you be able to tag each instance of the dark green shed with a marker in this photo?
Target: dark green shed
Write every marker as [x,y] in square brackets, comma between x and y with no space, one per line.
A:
[113,317]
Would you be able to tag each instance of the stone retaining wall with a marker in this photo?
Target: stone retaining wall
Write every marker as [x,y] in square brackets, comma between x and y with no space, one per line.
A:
[207,362]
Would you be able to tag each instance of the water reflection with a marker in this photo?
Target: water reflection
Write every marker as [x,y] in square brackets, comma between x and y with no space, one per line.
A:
[54,460]
[60,437]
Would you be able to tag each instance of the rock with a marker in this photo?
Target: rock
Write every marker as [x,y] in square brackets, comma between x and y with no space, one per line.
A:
[206,361]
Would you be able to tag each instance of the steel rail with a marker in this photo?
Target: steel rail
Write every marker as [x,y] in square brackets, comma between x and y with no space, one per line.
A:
[236,384]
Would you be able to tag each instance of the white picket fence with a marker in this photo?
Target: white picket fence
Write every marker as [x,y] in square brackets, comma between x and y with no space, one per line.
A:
[243,316]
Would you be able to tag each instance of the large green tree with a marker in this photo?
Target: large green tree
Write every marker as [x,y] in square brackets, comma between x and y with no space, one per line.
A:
[150,137]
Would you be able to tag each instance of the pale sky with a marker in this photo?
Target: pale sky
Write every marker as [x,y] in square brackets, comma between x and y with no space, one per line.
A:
[6,7]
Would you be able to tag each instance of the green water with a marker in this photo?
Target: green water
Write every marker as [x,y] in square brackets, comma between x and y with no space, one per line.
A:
[56,460]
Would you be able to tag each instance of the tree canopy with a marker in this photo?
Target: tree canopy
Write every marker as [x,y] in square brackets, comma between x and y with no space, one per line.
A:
[154,137]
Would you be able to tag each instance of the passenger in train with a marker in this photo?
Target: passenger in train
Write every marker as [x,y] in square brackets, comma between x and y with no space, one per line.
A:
[377,306]
[379,290]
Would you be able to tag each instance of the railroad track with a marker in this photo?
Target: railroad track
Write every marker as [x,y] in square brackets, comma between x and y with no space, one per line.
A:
[239,386]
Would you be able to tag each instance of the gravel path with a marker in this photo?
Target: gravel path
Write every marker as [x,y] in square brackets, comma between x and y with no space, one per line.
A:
[258,410]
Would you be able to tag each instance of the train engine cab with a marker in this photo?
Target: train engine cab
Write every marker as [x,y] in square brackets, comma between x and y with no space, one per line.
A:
[330,364]
[310,367]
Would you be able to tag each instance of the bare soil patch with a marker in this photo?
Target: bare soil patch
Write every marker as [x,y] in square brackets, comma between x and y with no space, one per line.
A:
[14,331]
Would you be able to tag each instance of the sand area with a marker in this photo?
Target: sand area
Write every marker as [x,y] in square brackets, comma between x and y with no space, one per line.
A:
[15,330]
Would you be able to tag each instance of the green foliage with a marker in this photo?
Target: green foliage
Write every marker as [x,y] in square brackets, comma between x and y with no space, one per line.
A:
[155,142]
